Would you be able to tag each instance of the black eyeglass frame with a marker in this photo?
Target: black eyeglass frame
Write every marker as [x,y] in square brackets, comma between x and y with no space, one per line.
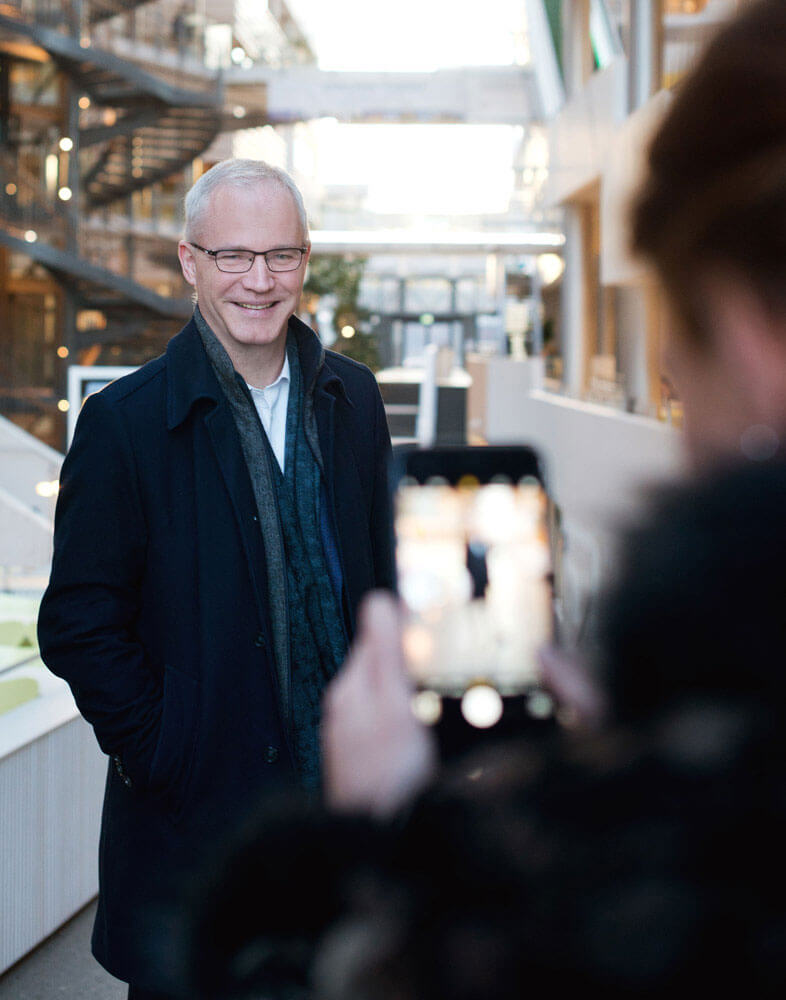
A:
[255,253]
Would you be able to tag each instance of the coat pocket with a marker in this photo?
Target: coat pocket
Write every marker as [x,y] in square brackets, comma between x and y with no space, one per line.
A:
[173,761]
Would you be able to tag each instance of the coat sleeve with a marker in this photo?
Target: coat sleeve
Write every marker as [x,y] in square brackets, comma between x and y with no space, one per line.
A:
[381,523]
[86,623]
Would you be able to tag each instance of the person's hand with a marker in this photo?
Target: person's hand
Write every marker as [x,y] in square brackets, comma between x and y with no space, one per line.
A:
[376,754]
[564,674]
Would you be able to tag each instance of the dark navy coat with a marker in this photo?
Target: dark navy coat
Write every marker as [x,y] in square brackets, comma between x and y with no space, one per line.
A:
[157,615]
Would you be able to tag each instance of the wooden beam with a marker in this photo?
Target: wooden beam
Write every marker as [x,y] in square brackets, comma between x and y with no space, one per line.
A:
[24,50]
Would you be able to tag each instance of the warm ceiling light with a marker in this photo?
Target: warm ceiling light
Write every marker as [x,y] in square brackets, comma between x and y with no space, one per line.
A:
[84,102]
[65,194]
[63,405]
[10,188]
[550,267]
[66,144]
[47,487]
[31,236]
[62,352]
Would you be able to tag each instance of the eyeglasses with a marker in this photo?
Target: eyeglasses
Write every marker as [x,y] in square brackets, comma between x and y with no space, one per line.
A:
[240,261]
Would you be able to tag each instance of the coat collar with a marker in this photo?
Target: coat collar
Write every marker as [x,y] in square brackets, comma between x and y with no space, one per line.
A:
[190,376]
[318,372]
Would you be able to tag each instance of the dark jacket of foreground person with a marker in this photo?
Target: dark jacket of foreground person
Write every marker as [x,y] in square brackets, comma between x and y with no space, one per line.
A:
[157,614]
[643,861]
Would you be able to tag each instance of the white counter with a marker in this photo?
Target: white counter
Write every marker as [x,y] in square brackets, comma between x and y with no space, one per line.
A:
[51,788]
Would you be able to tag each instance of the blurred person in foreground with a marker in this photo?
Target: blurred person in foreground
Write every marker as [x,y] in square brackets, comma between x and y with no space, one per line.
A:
[644,857]
[222,512]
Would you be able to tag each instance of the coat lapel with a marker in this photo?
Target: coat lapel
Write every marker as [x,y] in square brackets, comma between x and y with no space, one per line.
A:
[191,379]
[229,456]
[324,406]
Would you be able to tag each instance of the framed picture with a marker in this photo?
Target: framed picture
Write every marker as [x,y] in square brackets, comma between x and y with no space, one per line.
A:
[83,381]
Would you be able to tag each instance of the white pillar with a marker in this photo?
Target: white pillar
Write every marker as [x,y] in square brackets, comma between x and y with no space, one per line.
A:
[426,424]
[537,311]
[574,302]
[644,58]
[576,44]
[632,323]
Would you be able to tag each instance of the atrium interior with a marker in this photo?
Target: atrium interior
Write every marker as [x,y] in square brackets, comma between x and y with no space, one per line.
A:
[512,286]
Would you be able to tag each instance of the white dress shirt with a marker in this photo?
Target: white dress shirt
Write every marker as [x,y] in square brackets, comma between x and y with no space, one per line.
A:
[271,403]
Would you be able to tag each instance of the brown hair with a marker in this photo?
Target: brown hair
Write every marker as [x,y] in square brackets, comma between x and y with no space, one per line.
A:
[715,196]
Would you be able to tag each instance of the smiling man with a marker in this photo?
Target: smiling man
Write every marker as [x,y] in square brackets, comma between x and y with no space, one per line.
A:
[222,512]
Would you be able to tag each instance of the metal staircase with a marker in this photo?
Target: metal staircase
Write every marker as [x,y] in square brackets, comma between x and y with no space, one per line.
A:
[102,10]
[34,227]
[158,128]
[138,128]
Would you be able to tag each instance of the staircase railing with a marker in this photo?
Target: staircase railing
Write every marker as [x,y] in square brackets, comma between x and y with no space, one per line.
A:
[26,210]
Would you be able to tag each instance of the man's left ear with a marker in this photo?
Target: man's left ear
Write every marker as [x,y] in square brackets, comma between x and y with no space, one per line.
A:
[187,262]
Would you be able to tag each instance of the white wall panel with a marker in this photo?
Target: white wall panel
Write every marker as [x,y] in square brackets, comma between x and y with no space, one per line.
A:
[581,135]
[50,807]
[600,464]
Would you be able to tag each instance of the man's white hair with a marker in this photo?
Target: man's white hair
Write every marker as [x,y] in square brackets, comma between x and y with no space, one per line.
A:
[237,173]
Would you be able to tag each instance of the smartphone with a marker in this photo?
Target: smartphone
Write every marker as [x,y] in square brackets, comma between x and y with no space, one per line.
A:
[473,528]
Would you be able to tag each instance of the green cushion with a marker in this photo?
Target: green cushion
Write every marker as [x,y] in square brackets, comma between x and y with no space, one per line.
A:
[13,633]
[16,692]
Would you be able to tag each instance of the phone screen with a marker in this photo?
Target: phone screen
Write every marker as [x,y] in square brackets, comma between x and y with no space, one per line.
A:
[474,576]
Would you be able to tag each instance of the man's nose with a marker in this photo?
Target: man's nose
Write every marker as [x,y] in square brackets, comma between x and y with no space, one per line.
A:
[259,275]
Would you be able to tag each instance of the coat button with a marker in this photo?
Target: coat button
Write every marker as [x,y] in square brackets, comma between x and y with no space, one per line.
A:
[259,639]
[121,771]
[271,755]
